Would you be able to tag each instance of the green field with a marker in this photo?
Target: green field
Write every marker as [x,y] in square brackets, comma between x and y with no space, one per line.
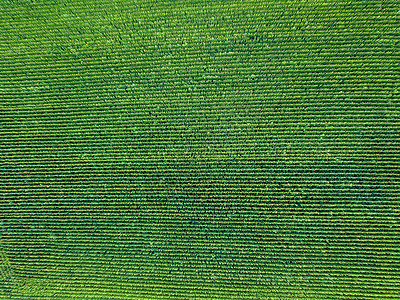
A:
[193,149]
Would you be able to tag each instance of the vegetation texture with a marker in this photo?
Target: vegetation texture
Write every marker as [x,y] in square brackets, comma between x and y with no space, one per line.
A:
[199,149]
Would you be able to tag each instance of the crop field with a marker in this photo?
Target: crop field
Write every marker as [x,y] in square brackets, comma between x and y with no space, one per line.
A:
[199,149]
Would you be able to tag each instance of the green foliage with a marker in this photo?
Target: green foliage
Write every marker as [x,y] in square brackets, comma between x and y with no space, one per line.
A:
[199,149]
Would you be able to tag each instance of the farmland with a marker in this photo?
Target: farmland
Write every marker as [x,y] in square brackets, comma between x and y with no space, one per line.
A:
[199,149]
